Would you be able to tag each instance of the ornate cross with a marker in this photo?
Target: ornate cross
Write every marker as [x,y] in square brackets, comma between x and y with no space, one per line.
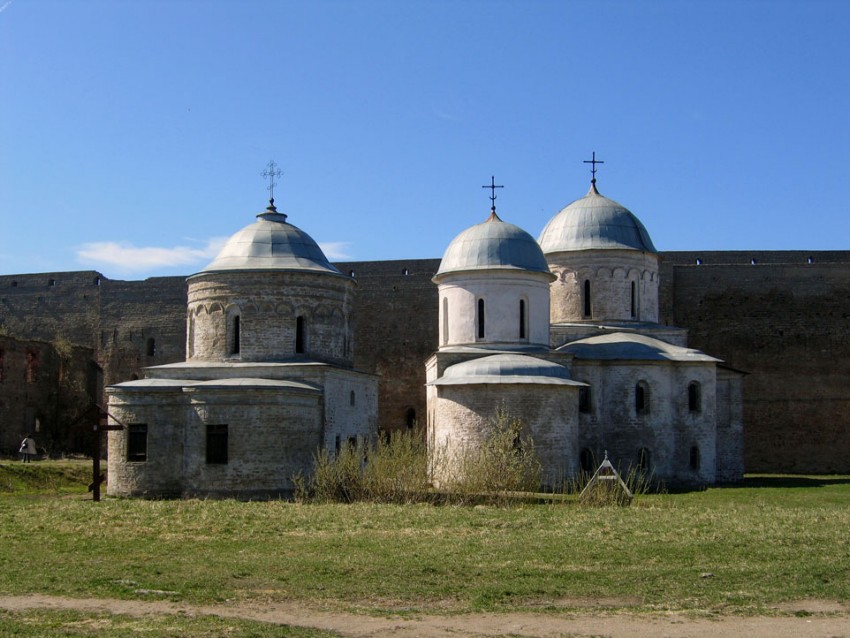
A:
[593,162]
[271,172]
[492,186]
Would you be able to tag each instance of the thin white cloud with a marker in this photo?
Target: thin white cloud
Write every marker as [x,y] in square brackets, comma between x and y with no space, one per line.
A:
[128,258]
[335,249]
[5,5]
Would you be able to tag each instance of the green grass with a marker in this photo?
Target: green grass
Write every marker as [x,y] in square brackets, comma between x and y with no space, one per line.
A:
[722,550]
[72,624]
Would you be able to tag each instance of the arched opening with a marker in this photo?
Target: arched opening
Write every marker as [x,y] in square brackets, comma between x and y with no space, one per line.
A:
[445,320]
[695,458]
[634,300]
[410,418]
[694,398]
[150,348]
[584,399]
[236,335]
[586,299]
[299,335]
[353,398]
[480,318]
[522,334]
[642,398]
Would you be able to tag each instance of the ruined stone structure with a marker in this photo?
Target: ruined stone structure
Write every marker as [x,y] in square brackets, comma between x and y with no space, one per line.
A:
[783,317]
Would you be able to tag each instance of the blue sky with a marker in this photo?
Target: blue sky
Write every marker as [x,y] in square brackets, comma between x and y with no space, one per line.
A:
[133,133]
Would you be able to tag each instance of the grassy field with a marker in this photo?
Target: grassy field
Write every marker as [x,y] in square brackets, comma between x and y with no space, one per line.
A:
[734,550]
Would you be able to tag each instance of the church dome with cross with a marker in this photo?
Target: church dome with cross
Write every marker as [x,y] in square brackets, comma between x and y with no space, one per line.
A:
[595,222]
[271,243]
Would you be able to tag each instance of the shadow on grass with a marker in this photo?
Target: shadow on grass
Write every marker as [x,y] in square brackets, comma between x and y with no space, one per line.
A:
[786,480]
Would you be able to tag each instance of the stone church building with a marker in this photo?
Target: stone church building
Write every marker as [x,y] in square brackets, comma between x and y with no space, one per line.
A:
[596,339]
[564,334]
[267,381]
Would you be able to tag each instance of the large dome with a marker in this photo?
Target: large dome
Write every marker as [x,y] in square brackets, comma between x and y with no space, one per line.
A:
[595,222]
[271,243]
[493,244]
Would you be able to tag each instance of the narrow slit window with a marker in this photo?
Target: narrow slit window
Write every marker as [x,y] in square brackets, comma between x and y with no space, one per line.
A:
[236,346]
[586,309]
[522,319]
[695,458]
[299,335]
[634,300]
[480,318]
[642,398]
[694,399]
[151,347]
[584,400]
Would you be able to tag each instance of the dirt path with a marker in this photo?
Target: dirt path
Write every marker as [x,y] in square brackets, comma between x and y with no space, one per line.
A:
[828,620]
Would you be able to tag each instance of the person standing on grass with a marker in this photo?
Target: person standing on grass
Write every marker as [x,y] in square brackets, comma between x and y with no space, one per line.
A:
[27,448]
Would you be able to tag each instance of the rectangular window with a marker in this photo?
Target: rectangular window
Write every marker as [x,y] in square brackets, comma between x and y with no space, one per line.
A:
[217,444]
[137,442]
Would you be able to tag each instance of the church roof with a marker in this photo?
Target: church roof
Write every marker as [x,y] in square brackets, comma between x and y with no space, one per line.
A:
[493,244]
[504,369]
[271,243]
[595,222]
[624,346]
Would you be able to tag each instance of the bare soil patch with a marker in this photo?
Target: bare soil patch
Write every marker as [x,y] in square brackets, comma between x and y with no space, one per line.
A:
[812,619]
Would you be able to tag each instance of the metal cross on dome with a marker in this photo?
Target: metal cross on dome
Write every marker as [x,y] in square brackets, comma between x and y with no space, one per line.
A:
[492,186]
[593,162]
[271,172]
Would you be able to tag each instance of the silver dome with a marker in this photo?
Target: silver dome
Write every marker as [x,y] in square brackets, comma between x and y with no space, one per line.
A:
[506,368]
[271,243]
[595,222]
[622,346]
[493,244]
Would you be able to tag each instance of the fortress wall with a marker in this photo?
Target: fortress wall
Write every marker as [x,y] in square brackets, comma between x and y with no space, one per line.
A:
[395,331]
[788,326]
[131,313]
[47,306]
[783,320]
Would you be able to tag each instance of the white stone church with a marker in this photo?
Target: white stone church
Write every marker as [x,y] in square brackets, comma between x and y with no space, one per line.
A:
[561,333]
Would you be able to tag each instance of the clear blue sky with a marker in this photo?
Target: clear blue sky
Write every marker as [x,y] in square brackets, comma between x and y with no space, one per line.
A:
[133,133]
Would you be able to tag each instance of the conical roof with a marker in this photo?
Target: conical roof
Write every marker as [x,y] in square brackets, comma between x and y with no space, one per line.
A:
[595,222]
[271,243]
[493,245]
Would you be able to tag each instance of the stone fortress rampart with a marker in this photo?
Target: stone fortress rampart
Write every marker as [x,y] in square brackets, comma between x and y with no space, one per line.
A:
[780,316]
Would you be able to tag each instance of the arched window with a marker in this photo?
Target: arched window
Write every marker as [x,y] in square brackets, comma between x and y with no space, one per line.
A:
[236,338]
[694,398]
[522,319]
[584,399]
[299,335]
[586,309]
[585,460]
[410,418]
[445,320]
[644,460]
[642,398]
[480,318]
[151,347]
[634,300]
[353,398]
[695,458]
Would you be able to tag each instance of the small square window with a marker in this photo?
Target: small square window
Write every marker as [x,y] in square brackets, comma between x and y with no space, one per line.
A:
[217,444]
[137,442]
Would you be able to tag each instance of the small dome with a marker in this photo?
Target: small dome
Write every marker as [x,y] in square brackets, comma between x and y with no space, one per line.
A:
[622,346]
[271,243]
[595,222]
[493,244]
[506,368]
